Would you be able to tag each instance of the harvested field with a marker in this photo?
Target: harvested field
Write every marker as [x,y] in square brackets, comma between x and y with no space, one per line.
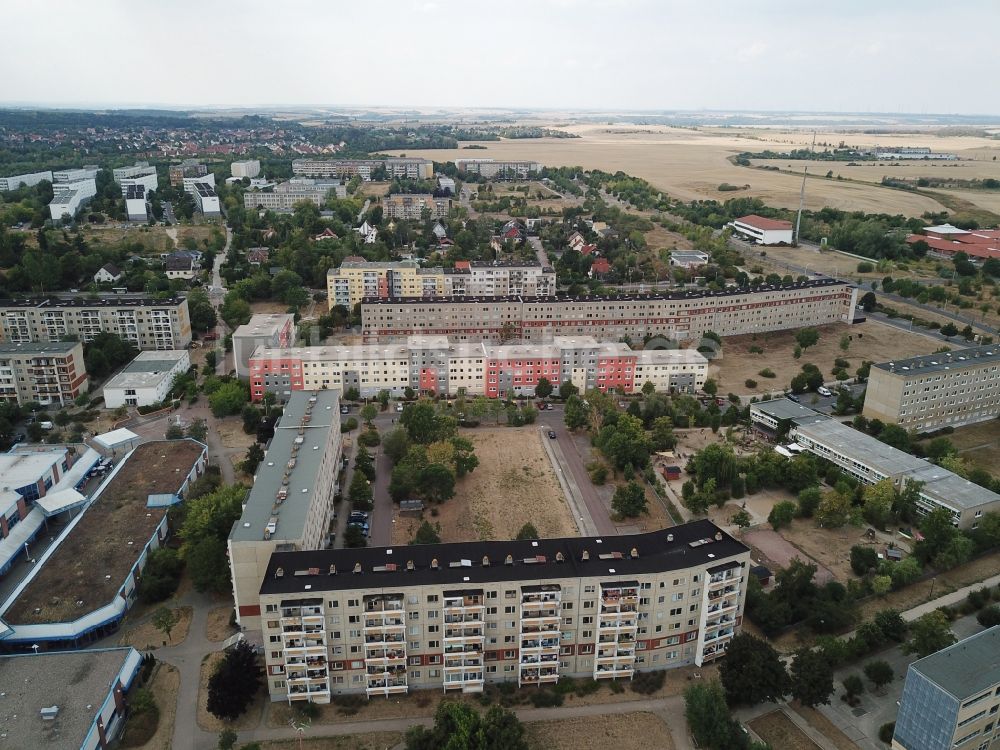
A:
[146,637]
[210,723]
[165,687]
[514,483]
[776,552]
[871,340]
[637,731]
[217,628]
[778,730]
[97,555]
[368,741]
[979,445]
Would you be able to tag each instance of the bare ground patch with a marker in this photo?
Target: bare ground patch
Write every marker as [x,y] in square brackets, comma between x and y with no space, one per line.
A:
[779,731]
[771,547]
[165,687]
[218,626]
[513,484]
[637,731]
[824,726]
[146,637]
[979,445]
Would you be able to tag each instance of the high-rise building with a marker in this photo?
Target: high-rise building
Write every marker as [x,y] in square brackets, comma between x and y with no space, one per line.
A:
[46,372]
[23,180]
[249,168]
[499,168]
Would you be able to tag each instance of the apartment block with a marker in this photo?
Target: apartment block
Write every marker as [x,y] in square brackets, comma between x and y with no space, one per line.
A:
[65,176]
[190,184]
[46,372]
[146,379]
[139,169]
[415,206]
[187,168]
[429,364]
[382,621]
[357,279]
[412,168]
[290,505]
[945,389]
[69,197]
[135,203]
[249,168]
[206,199]
[951,699]
[284,196]
[24,180]
[273,330]
[683,315]
[869,460]
[499,169]
[143,321]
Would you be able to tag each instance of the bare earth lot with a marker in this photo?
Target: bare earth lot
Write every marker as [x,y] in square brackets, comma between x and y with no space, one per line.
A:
[979,444]
[777,551]
[778,730]
[638,731]
[513,484]
[145,637]
[871,340]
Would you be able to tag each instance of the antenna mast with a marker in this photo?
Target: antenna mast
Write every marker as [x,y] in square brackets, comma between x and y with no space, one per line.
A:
[802,195]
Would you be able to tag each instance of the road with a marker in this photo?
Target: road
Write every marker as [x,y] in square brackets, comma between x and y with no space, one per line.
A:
[536,243]
[224,362]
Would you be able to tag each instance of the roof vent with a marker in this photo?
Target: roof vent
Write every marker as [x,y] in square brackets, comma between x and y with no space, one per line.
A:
[486,561]
[634,553]
[585,556]
[410,565]
[670,537]
[509,560]
[434,564]
[333,570]
[718,536]
[357,567]
[279,573]
[560,557]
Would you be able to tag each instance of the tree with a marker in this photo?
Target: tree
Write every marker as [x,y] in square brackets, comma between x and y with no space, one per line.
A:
[161,575]
[891,624]
[207,521]
[354,536]
[577,413]
[853,686]
[543,388]
[834,509]
[811,678]
[752,672]
[234,683]
[528,531]
[424,425]
[437,482]
[806,337]
[227,739]
[809,500]
[949,329]
[710,387]
[707,714]
[368,413]
[567,389]
[426,534]
[197,430]
[629,500]
[863,559]
[201,312]
[165,619]
[881,585]
[360,492]
[395,444]
[255,454]
[662,436]
[459,726]
[741,519]
[879,672]
[879,500]
[228,399]
[781,514]
[929,634]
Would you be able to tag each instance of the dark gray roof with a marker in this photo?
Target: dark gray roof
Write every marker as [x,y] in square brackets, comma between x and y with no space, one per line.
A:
[461,563]
[956,360]
[966,668]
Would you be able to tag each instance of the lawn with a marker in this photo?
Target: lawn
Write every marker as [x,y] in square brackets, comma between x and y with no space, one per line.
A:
[979,445]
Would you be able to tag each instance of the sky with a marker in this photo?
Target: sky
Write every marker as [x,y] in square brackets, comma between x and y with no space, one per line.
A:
[912,56]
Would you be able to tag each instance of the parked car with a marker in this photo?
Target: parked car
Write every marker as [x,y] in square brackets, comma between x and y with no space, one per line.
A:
[824,391]
[792,397]
[552,434]
[399,406]
[344,409]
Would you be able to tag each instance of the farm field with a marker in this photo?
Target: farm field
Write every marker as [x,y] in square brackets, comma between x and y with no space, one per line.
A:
[514,483]
[979,445]
[871,340]
[625,732]
[690,164]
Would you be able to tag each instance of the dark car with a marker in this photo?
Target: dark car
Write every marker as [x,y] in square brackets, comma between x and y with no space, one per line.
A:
[792,397]
[552,434]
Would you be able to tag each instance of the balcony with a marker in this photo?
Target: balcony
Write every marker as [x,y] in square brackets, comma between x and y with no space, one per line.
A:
[540,597]
[613,672]
[456,602]
[386,687]
[384,623]
[309,692]
[384,605]
[384,638]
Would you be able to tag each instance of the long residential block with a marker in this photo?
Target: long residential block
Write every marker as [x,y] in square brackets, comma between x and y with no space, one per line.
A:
[415,206]
[355,280]
[412,168]
[381,621]
[945,389]
[430,365]
[676,316]
[47,372]
[24,180]
[284,196]
[499,168]
[869,460]
[143,321]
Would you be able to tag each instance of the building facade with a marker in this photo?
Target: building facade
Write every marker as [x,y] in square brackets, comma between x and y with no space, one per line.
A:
[675,316]
[951,699]
[51,373]
[499,169]
[69,197]
[146,379]
[763,231]
[411,168]
[380,621]
[284,196]
[144,322]
[24,180]
[291,503]
[206,199]
[415,207]
[355,280]
[272,330]
[249,168]
[429,364]
[187,168]
[945,389]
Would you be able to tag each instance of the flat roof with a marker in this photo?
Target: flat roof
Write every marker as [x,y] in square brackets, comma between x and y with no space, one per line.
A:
[872,451]
[762,222]
[39,347]
[263,324]
[76,682]
[974,356]
[92,561]
[21,468]
[461,563]
[310,447]
[965,668]
[115,437]
[785,408]
[108,301]
[148,369]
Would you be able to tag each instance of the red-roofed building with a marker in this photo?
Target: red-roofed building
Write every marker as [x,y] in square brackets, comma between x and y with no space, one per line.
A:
[763,231]
[599,267]
[588,249]
[946,240]
[466,264]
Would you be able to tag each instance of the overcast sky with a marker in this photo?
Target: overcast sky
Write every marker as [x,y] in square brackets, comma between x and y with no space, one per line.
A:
[837,55]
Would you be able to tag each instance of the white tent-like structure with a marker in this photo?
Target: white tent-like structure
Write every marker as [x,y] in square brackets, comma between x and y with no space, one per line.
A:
[116,441]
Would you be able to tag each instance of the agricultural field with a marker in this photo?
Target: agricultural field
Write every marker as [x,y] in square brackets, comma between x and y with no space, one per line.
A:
[690,164]
[514,483]
[871,340]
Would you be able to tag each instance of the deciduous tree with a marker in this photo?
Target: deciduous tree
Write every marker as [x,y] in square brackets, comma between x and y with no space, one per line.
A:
[752,672]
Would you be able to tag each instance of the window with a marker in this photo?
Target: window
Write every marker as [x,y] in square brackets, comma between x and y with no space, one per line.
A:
[432,598]
[352,602]
[271,608]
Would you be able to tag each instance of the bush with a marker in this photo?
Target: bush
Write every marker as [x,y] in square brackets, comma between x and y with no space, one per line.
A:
[349,424]
[598,472]
[886,731]
[369,438]
[767,372]
[546,699]
[782,514]
[750,383]
[989,616]
[865,267]
[648,683]
[863,559]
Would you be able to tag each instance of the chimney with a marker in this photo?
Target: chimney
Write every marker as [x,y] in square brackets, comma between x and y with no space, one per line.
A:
[434,564]
[509,560]
[486,561]
[585,556]
[410,565]
[357,567]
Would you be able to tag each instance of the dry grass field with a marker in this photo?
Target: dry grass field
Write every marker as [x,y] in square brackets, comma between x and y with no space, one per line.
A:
[158,239]
[638,731]
[165,687]
[871,341]
[778,730]
[217,628]
[145,637]
[979,445]
[369,741]
[514,483]
[690,164]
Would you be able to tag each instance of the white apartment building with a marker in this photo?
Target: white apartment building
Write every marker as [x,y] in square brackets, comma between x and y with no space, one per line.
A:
[205,198]
[147,182]
[285,195]
[75,175]
[415,207]
[945,389]
[135,203]
[496,168]
[763,231]
[430,364]
[24,180]
[189,183]
[290,505]
[249,168]
[146,379]
[383,621]
[69,197]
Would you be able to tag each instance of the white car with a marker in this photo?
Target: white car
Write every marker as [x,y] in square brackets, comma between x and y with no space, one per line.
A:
[824,391]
